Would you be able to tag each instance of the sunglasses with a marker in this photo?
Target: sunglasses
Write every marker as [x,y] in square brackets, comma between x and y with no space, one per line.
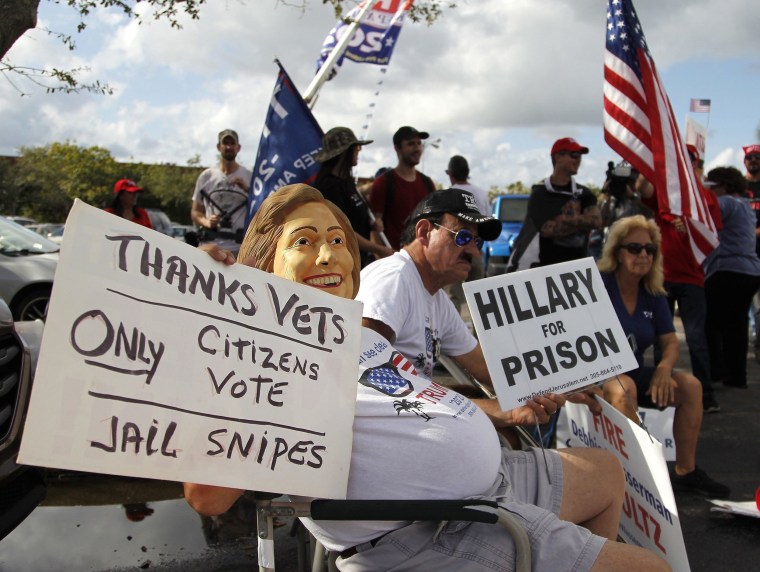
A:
[753,157]
[463,237]
[637,247]
[572,154]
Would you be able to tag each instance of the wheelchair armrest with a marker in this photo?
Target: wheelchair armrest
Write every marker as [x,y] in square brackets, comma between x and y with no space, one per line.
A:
[470,510]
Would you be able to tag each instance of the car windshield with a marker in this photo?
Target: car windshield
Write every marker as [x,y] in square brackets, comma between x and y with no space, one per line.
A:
[15,240]
[513,210]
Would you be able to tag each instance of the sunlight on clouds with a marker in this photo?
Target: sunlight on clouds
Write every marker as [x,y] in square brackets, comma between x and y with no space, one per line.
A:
[496,80]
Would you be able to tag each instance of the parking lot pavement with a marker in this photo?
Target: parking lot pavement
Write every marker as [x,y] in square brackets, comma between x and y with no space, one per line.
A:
[729,451]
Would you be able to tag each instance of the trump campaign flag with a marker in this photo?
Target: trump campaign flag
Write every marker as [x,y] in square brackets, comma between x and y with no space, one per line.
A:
[640,126]
[376,36]
[289,141]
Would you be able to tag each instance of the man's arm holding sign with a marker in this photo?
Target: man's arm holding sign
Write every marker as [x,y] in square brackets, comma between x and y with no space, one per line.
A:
[210,500]
[539,409]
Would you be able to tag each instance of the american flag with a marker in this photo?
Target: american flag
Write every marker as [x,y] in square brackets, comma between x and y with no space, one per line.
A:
[640,126]
[699,106]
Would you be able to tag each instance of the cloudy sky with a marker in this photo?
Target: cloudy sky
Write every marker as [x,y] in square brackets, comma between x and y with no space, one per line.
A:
[494,80]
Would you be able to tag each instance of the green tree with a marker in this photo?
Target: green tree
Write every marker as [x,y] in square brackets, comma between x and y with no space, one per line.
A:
[169,187]
[47,179]
[516,188]
[44,181]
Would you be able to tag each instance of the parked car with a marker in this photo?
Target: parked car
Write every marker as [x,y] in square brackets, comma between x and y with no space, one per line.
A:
[22,220]
[27,267]
[180,230]
[53,231]
[21,488]
[160,221]
[511,211]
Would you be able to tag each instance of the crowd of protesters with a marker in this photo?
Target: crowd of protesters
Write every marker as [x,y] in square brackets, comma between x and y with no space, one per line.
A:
[415,243]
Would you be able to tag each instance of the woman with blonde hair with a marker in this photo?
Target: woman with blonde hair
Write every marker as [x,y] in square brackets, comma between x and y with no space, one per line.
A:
[631,267]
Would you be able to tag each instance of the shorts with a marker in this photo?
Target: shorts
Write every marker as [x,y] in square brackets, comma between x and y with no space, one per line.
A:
[522,488]
[642,377]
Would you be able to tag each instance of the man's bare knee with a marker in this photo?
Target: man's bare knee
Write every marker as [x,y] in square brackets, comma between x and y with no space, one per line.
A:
[628,558]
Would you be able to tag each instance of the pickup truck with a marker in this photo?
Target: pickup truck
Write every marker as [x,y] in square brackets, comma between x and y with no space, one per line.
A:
[510,210]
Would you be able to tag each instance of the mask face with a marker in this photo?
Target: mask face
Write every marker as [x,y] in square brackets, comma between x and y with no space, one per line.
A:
[312,250]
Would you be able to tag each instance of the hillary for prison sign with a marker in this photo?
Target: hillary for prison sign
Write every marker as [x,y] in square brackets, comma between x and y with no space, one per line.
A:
[157,361]
[547,330]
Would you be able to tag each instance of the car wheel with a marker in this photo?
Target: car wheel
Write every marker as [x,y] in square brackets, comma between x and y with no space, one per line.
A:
[32,306]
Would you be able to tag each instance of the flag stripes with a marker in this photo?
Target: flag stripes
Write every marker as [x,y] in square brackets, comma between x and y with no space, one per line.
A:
[640,126]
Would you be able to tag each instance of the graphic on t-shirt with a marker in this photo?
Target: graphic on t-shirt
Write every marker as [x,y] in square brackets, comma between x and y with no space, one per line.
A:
[386,379]
[572,209]
[414,406]
[433,351]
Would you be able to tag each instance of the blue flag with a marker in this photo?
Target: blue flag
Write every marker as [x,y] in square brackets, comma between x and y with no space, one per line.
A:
[374,40]
[289,142]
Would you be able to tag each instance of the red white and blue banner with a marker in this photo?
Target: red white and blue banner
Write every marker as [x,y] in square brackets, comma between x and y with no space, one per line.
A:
[640,126]
[290,140]
[376,37]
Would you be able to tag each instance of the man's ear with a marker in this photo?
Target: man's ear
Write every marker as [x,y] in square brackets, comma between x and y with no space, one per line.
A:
[422,231]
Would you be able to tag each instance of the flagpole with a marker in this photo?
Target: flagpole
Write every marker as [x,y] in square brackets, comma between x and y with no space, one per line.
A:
[324,72]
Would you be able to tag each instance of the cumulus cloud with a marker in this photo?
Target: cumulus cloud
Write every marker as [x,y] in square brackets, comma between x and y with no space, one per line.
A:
[494,80]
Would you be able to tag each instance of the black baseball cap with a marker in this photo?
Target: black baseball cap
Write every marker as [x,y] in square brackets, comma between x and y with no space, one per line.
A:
[462,205]
[407,132]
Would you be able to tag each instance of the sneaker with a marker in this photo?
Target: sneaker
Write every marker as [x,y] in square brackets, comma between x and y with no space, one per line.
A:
[698,482]
[709,405]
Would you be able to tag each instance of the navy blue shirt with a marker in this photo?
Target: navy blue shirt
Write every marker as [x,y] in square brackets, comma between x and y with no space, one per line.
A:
[650,319]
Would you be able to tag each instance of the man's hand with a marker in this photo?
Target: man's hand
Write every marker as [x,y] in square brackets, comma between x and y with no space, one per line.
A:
[586,397]
[213,221]
[539,409]
[218,254]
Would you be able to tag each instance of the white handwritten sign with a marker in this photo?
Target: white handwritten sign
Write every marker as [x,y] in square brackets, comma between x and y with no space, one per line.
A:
[547,330]
[650,516]
[158,361]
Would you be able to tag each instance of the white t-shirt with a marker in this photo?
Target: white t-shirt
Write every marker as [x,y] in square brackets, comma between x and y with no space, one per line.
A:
[227,195]
[425,326]
[481,197]
[413,439]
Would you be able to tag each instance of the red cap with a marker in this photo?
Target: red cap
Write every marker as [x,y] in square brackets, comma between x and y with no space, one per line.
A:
[751,150]
[693,152]
[568,144]
[126,185]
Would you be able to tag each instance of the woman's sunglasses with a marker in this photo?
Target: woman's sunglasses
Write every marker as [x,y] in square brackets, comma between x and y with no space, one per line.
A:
[463,237]
[637,247]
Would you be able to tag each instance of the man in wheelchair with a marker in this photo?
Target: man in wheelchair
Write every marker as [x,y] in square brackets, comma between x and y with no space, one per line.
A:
[416,440]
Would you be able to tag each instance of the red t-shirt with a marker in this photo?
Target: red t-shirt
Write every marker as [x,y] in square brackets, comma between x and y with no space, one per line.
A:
[677,259]
[141,216]
[406,195]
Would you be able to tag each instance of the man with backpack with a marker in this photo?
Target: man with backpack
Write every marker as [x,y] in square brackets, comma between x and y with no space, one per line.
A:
[396,192]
